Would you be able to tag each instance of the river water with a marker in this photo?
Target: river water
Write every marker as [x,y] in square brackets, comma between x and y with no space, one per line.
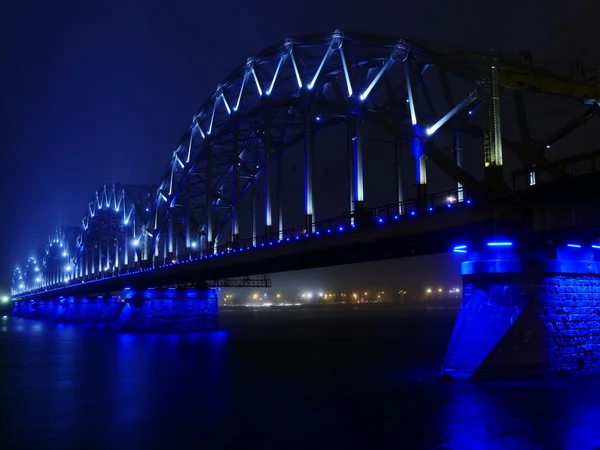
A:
[363,377]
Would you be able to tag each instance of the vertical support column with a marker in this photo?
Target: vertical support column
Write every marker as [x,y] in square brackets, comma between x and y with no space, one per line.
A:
[100,268]
[155,238]
[155,244]
[398,164]
[359,195]
[188,238]
[107,253]
[308,173]
[254,195]
[116,265]
[87,261]
[209,200]
[235,161]
[351,133]
[170,230]
[126,248]
[280,191]
[356,166]
[165,250]
[267,180]
[458,155]
[493,144]
[416,141]
[145,236]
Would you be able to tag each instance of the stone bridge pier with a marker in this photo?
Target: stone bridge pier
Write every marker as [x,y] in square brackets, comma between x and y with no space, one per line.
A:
[528,309]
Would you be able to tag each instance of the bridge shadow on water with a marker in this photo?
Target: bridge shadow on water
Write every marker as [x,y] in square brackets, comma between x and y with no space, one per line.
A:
[321,377]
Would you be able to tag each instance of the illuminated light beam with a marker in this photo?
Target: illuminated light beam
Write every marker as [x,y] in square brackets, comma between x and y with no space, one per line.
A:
[347,75]
[163,196]
[179,161]
[212,118]
[574,245]
[298,79]
[172,175]
[500,244]
[596,246]
[200,130]
[260,93]
[460,249]
[281,61]
[467,102]
[128,217]
[224,100]
[388,64]
[189,153]
[118,204]
[409,91]
[323,61]
[241,91]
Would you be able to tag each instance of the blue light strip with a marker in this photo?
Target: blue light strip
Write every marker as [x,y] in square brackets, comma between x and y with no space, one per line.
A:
[596,246]
[574,245]
[340,228]
[499,244]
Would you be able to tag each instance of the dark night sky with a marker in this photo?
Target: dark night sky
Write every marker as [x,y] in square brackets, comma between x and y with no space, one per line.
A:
[101,91]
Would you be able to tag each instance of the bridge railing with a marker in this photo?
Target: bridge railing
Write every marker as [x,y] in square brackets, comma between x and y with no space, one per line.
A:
[411,207]
[573,166]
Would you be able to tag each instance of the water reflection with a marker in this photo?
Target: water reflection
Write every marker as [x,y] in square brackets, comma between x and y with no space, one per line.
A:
[543,414]
[279,383]
[150,368]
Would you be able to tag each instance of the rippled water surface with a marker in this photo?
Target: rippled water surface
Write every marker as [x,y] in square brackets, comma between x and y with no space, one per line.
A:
[339,377]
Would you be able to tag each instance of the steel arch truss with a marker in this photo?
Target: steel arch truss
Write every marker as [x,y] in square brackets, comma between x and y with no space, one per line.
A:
[418,93]
[113,234]
[267,105]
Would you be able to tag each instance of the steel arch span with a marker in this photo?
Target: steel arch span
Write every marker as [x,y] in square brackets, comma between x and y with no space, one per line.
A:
[355,91]
[113,235]
[421,96]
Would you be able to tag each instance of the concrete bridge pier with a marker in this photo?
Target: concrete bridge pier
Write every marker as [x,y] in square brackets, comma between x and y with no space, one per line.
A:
[170,310]
[527,310]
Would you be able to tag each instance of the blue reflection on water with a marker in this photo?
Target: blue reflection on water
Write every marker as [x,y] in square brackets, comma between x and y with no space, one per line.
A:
[275,380]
